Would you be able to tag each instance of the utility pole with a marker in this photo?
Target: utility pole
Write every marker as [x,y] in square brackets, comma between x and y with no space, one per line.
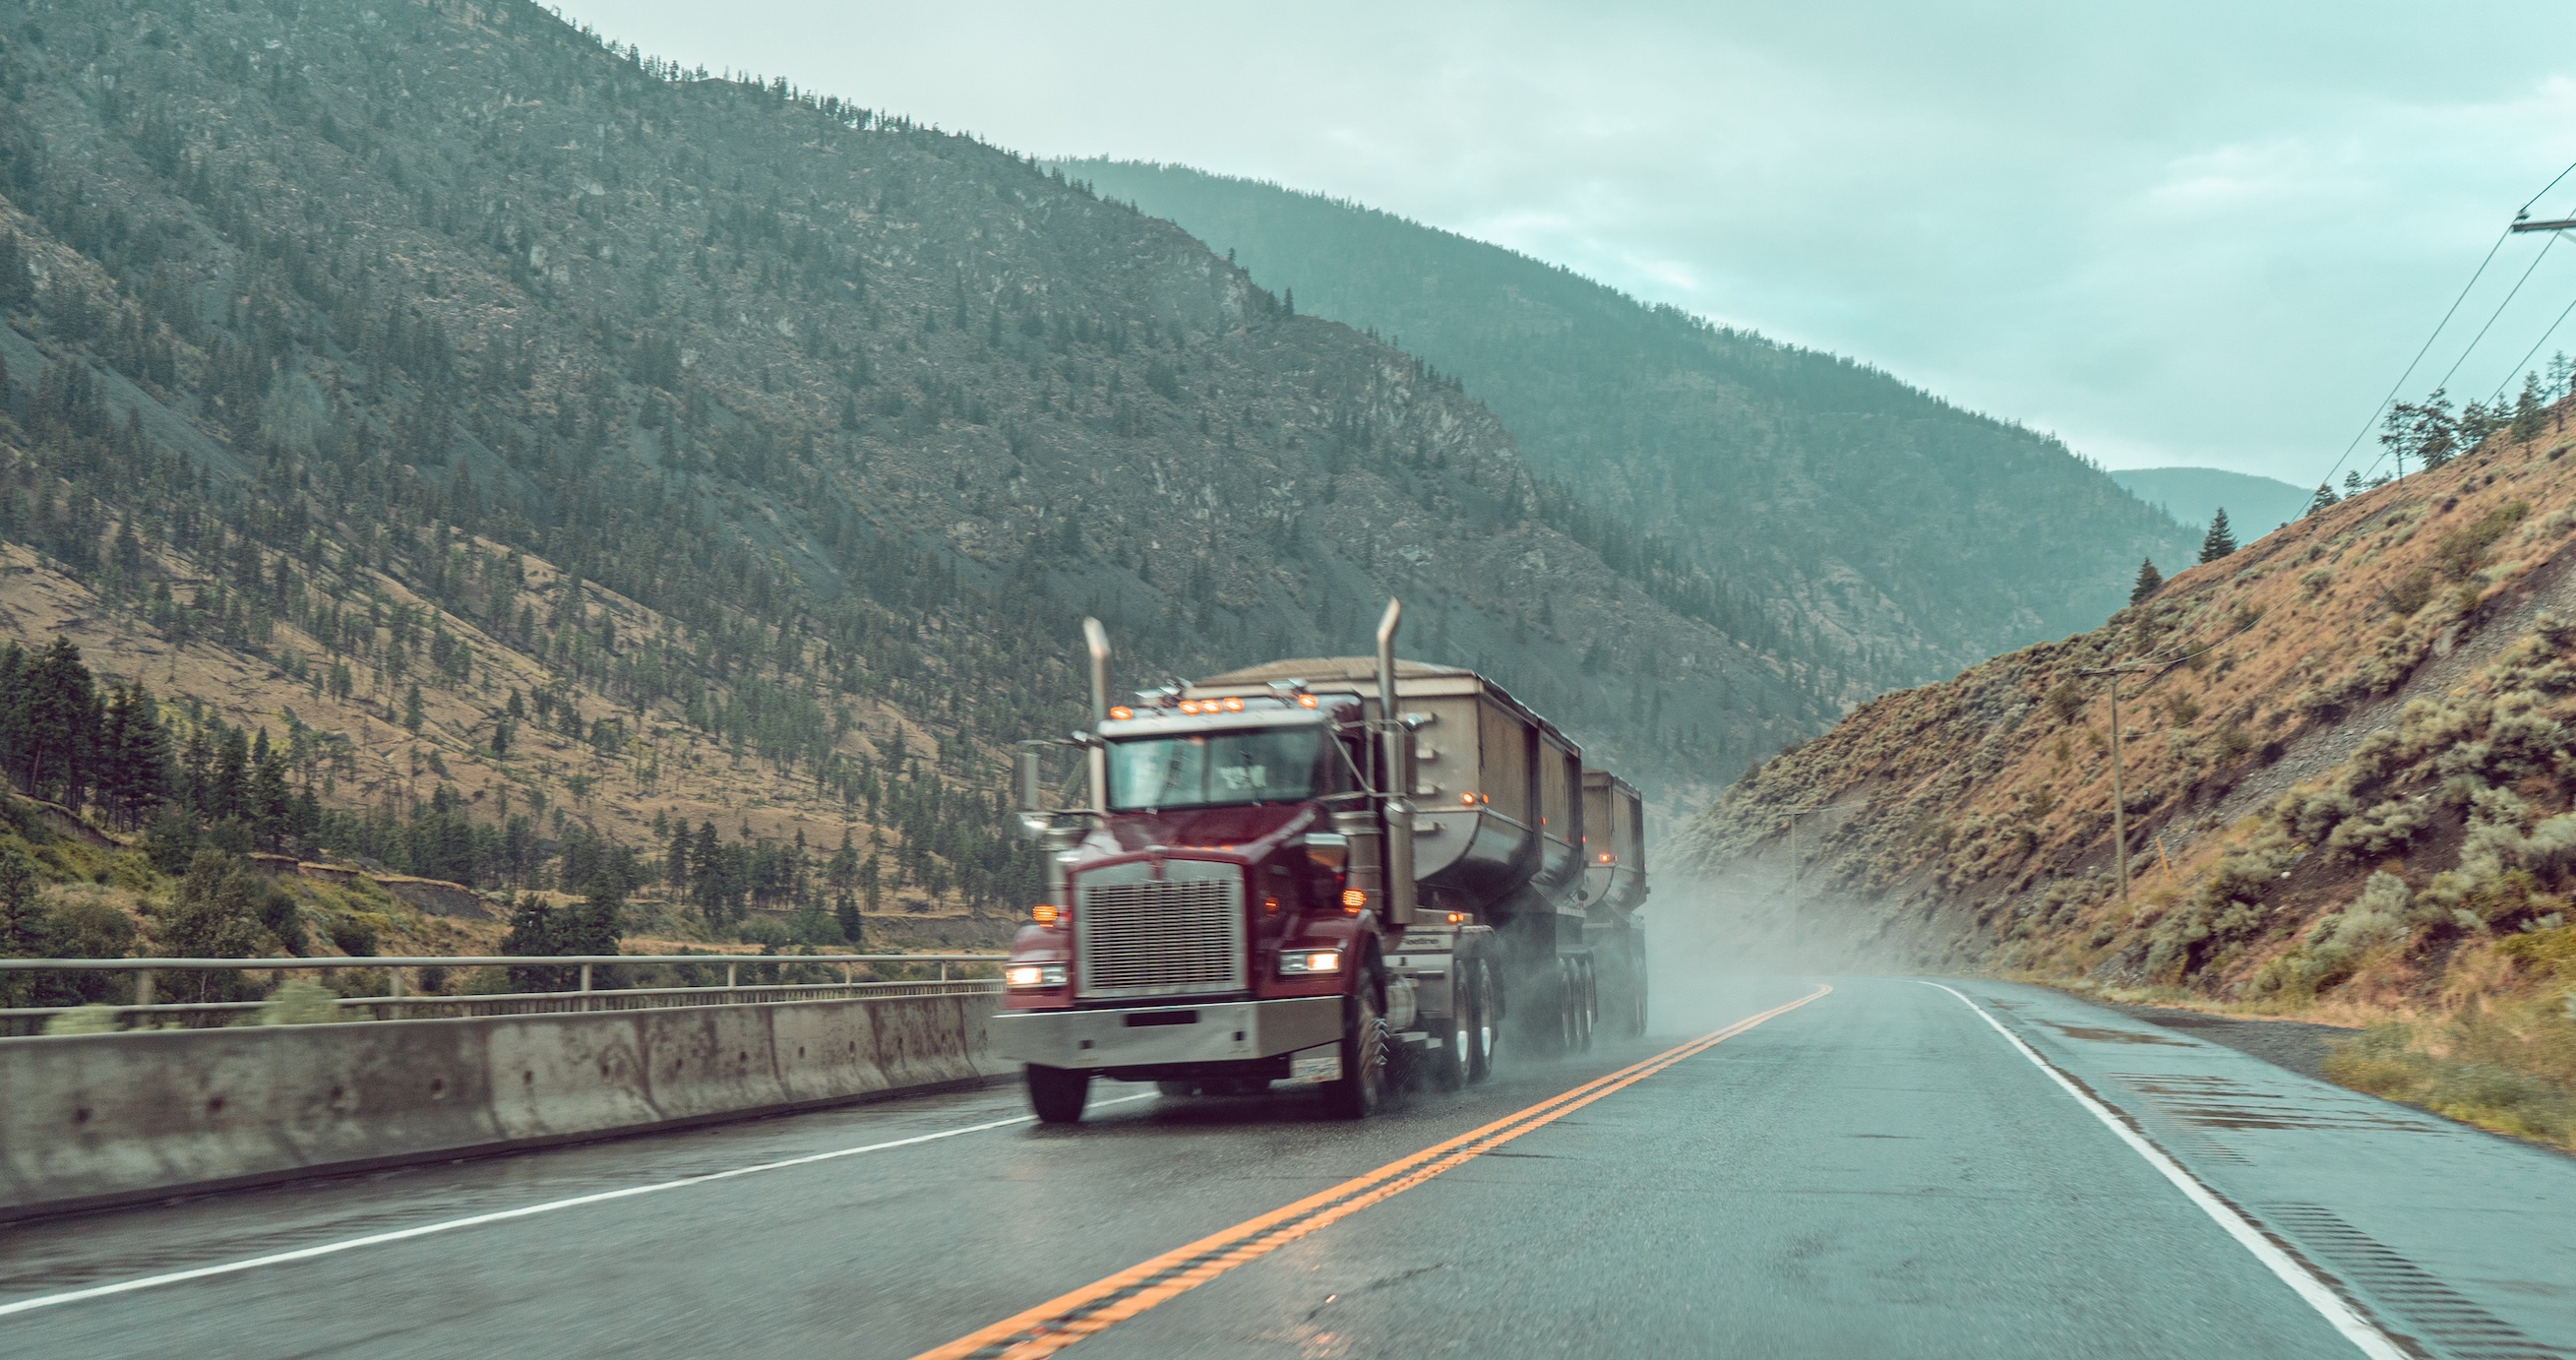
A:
[2119,799]
[1797,867]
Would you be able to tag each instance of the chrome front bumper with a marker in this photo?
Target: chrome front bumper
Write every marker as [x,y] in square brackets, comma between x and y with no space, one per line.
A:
[1150,1036]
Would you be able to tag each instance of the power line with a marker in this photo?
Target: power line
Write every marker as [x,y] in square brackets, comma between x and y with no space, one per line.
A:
[2499,312]
[2527,354]
[2479,273]
[2400,385]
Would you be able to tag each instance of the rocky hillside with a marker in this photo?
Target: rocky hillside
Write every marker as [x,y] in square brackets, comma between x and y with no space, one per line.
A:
[2349,773]
[1897,536]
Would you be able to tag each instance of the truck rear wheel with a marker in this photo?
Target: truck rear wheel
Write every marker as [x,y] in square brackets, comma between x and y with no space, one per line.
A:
[1455,1064]
[1361,1088]
[1057,1094]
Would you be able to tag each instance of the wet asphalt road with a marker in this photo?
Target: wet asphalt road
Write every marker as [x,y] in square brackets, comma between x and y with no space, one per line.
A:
[1878,1173]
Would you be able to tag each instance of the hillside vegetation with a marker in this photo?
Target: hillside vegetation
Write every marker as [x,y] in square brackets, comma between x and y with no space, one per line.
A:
[2350,781]
[554,457]
[1893,536]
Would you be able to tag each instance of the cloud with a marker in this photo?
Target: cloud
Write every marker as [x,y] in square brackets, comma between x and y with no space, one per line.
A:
[2197,232]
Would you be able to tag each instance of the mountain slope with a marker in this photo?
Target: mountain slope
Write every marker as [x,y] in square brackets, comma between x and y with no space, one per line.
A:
[2350,784]
[755,421]
[1913,536]
[2255,506]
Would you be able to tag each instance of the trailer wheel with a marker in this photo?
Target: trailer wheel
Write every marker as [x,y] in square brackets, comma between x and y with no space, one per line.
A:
[1593,998]
[1057,1094]
[1361,1088]
[1569,1006]
[1480,1036]
[1579,1002]
[1636,1007]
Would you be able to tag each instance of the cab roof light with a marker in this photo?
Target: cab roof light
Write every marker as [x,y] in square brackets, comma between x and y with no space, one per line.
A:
[1044,913]
[1234,705]
[1305,701]
[1354,898]
[1122,713]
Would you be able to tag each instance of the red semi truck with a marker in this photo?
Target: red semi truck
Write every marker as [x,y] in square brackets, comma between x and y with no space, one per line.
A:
[1339,872]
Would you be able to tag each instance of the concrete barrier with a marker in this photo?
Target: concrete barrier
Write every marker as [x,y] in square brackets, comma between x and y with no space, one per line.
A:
[88,1121]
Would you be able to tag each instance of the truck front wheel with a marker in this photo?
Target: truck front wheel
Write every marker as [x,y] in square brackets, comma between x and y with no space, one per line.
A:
[1057,1094]
[1361,1088]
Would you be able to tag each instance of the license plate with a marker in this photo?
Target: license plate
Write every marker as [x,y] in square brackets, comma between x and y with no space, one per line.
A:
[1322,1067]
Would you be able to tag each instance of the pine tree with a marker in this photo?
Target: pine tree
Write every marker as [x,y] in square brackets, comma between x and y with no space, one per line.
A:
[22,932]
[533,930]
[843,870]
[847,912]
[2220,541]
[2149,582]
[17,288]
[2530,409]
[2324,498]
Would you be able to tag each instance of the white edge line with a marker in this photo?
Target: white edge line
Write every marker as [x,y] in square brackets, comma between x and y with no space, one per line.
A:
[2357,1329]
[501,1216]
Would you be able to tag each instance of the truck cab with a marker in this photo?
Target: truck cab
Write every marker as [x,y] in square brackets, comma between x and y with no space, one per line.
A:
[1237,902]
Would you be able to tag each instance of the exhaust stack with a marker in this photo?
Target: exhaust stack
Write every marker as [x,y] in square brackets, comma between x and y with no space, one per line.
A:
[1397,761]
[1096,639]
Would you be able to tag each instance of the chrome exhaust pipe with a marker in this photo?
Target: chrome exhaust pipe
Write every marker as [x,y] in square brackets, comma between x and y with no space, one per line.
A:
[1096,639]
[1396,747]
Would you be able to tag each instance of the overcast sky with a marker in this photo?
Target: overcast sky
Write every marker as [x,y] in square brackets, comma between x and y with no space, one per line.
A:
[2180,233]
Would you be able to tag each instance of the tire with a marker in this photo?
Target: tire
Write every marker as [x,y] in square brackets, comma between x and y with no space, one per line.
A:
[1480,1054]
[1362,1087]
[1569,1006]
[1587,1003]
[1637,990]
[1453,1063]
[1177,1090]
[1057,1094]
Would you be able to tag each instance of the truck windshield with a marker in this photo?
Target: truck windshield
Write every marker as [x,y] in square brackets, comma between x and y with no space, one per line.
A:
[1275,766]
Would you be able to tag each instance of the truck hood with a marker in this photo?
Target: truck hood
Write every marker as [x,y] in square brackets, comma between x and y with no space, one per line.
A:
[1245,833]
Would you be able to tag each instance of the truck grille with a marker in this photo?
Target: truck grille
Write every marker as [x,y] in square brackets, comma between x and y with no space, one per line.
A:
[1177,935]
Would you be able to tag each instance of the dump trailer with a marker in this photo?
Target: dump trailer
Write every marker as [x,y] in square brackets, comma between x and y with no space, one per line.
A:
[1343,872]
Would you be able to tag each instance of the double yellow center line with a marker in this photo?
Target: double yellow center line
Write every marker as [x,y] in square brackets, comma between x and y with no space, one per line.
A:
[1062,1321]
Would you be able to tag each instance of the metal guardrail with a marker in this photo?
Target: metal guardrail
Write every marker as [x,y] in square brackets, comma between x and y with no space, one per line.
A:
[400,1004]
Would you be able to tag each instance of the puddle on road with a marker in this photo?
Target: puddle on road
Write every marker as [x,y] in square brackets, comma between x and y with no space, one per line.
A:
[2222,1103]
[2116,1036]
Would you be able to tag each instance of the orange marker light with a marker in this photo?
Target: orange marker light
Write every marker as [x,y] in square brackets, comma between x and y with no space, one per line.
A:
[1122,714]
[1353,899]
[1466,800]
[1189,705]
[1305,701]
[1043,913]
[1234,705]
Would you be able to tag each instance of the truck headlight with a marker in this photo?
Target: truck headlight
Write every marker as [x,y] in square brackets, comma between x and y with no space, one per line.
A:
[1034,975]
[1302,962]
